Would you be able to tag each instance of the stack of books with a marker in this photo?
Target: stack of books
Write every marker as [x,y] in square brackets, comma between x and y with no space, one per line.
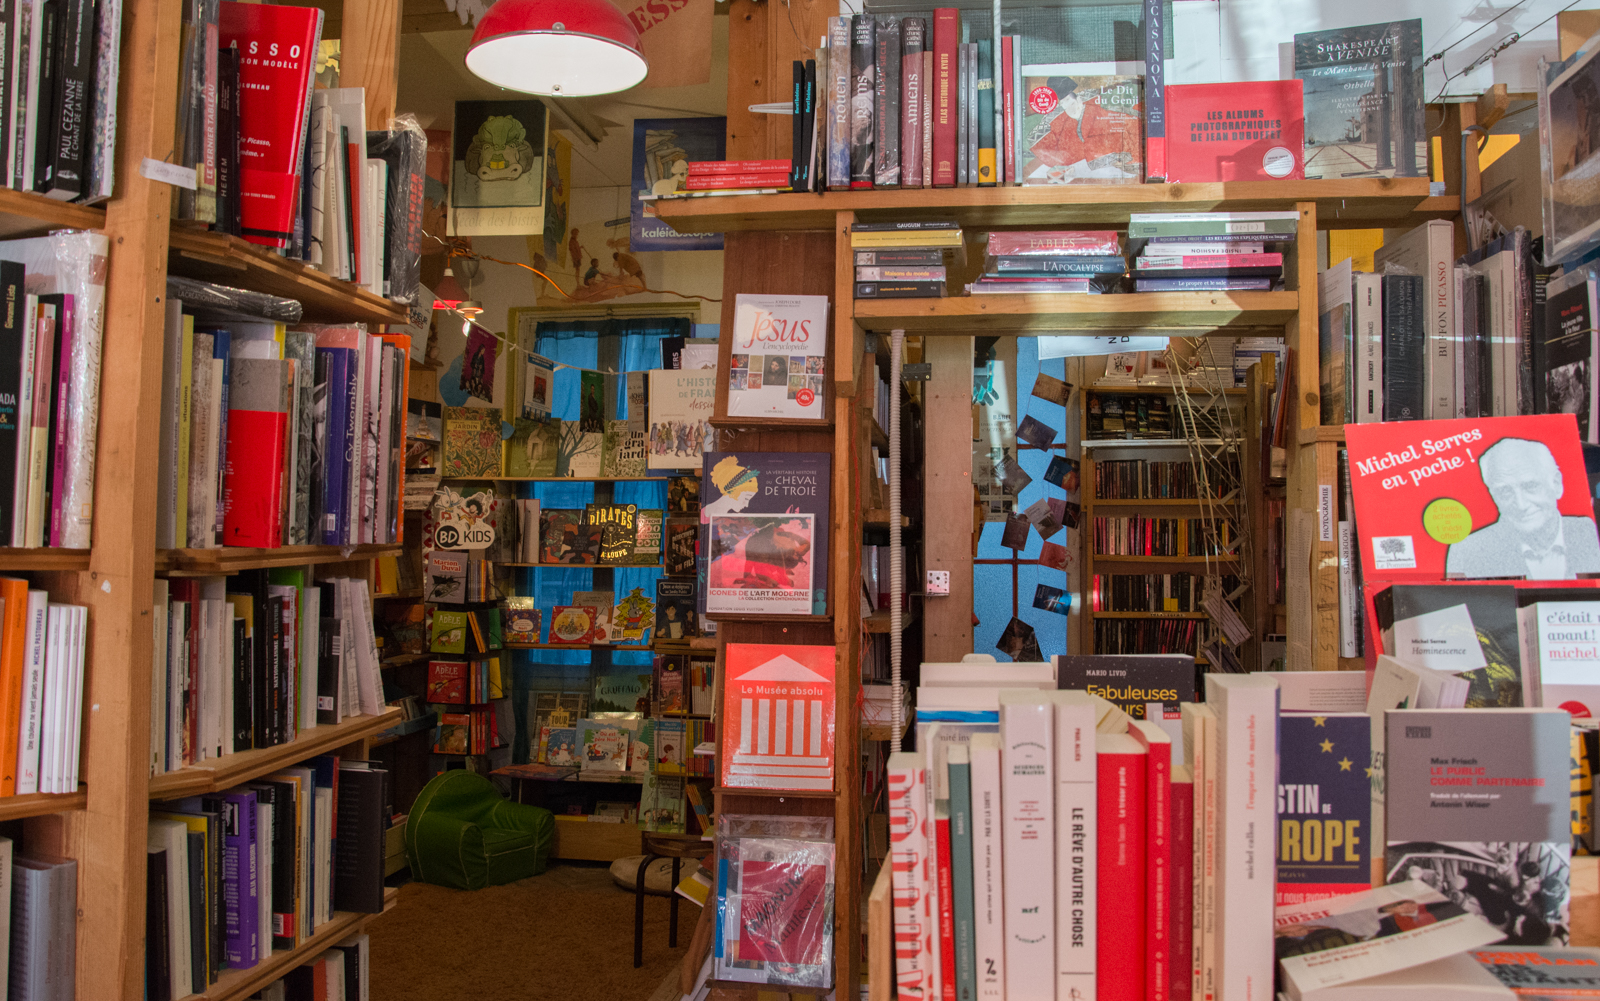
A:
[743,177]
[1210,251]
[1064,261]
[902,260]
[341,972]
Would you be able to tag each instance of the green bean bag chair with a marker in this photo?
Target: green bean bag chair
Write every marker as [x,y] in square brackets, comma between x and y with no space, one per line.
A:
[462,833]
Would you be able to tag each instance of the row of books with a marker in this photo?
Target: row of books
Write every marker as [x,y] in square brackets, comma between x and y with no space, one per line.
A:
[467,631]
[250,661]
[624,742]
[340,974]
[320,411]
[50,386]
[1045,261]
[615,535]
[289,167]
[1117,415]
[38,924]
[904,260]
[1143,536]
[474,732]
[1141,479]
[236,875]
[42,645]
[681,684]
[1147,636]
[465,682]
[1155,592]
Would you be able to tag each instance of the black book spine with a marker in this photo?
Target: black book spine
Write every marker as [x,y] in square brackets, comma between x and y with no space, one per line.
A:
[215,809]
[329,651]
[260,647]
[349,198]
[1404,350]
[75,42]
[198,932]
[808,124]
[899,290]
[797,125]
[157,958]
[358,848]
[8,27]
[48,111]
[228,140]
[886,113]
[863,92]
[12,437]
[275,707]
[243,690]
[1540,278]
[1480,284]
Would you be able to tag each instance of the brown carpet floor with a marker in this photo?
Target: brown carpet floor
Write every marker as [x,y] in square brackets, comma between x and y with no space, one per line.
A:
[564,936]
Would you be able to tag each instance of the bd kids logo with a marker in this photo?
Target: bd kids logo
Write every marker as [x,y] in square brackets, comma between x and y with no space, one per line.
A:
[458,535]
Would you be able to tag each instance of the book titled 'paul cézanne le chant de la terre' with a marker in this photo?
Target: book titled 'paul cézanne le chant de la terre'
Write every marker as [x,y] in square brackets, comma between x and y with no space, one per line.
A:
[779,357]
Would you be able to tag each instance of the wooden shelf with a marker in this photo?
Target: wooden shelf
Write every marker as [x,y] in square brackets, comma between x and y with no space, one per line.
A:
[229,560]
[1147,442]
[1149,615]
[880,437]
[40,804]
[402,659]
[43,559]
[195,252]
[399,596]
[1346,202]
[232,769]
[878,622]
[1052,313]
[1325,433]
[879,518]
[23,213]
[232,985]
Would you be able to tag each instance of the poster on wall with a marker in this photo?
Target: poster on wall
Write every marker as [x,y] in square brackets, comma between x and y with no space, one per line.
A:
[497,183]
[663,148]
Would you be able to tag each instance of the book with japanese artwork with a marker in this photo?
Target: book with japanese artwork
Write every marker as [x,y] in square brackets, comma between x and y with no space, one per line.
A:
[682,402]
[779,357]
[777,720]
[1234,131]
[1363,100]
[1324,806]
[471,442]
[1472,498]
[1478,800]
[1081,128]
[765,542]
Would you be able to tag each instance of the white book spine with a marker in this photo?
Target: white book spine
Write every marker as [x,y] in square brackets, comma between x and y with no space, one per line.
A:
[1076,860]
[177,656]
[1247,714]
[911,855]
[1028,828]
[50,729]
[929,750]
[988,883]
[80,646]
[1348,600]
[33,666]
[263,942]
[1440,284]
[24,425]
[1369,348]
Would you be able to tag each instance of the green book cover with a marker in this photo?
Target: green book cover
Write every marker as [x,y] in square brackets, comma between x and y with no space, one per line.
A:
[449,631]
[1243,225]
[493,638]
[622,451]
[531,449]
[961,871]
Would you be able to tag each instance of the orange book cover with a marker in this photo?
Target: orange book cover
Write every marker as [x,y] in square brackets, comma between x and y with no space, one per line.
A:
[403,342]
[13,635]
[778,708]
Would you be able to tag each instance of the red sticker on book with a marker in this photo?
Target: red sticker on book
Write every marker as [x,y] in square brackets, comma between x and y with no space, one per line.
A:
[1042,100]
[805,397]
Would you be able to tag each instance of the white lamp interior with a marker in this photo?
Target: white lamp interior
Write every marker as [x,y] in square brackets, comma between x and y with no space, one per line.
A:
[557,62]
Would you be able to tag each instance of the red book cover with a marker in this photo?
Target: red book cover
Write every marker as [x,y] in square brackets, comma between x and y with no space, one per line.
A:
[1158,857]
[1182,884]
[947,909]
[699,167]
[1152,260]
[13,655]
[1054,243]
[946,34]
[783,906]
[713,182]
[1235,131]
[277,57]
[777,712]
[447,682]
[1008,117]
[1120,933]
[258,412]
[1472,498]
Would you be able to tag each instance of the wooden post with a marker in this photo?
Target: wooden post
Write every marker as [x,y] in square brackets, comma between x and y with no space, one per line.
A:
[369,51]
[752,136]
[947,478]
[845,550]
[118,585]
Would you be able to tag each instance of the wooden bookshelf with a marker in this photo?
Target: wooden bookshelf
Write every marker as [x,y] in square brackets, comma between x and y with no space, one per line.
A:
[229,560]
[196,252]
[233,985]
[40,804]
[24,213]
[1052,313]
[401,660]
[879,622]
[879,518]
[232,769]
[1333,433]
[43,559]
[1363,202]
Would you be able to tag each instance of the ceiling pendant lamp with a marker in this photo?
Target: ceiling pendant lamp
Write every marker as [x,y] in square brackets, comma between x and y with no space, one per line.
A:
[559,48]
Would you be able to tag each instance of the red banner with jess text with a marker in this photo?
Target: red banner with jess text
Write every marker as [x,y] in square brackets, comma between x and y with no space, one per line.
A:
[1472,499]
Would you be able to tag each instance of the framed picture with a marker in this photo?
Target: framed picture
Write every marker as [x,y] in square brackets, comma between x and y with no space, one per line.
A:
[497,168]
[1569,152]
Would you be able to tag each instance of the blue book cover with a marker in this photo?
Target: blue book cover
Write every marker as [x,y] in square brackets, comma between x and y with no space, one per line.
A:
[765,532]
[333,398]
[241,888]
[1324,806]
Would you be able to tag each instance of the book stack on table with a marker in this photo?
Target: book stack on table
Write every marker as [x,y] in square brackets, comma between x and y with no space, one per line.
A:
[1210,251]
[1065,261]
[902,260]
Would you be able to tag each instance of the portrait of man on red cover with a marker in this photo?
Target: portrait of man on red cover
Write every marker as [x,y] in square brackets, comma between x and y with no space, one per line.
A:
[1530,538]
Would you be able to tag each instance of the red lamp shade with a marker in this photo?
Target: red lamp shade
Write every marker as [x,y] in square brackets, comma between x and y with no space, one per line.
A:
[563,48]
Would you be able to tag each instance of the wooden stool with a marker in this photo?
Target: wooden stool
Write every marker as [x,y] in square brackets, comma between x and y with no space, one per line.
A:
[675,847]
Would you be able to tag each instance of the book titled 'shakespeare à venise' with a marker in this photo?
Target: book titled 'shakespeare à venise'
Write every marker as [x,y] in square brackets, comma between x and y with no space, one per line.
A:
[1363,100]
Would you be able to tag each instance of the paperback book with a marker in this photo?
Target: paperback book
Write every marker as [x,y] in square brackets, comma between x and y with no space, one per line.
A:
[765,517]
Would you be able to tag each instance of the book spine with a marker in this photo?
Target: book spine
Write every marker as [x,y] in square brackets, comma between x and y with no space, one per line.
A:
[1369,348]
[1028,827]
[1246,766]
[863,89]
[961,872]
[947,920]
[718,182]
[1122,928]
[102,148]
[28,736]
[13,436]
[796,122]
[1183,900]
[946,94]
[886,115]
[988,161]
[1008,117]
[1218,227]
[45,111]
[8,49]
[900,290]
[963,109]
[914,41]
[1404,349]
[1440,318]
[1158,860]
[1202,284]
[900,274]
[1155,91]
[928,76]
[24,87]
[51,414]
[1076,849]
[839,84]
[1074,265]
[989,938]
[808,126]
[702,168]
[899,258]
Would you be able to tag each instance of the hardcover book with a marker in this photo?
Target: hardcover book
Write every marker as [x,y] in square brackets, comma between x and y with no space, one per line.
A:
[1363,100]
[1466,630]
[618,528]
[576,624]
[1082,130]
[447,682]
[1561,654]
[675,610]
[532,449]
[1132,684]
[1477,802]
[603,745]
[765,516]
[681,405]
[681,535]
[471,444]
[449,631]
[779,357]
[522,620]
[1235,131]
[863,91]
[1324,806]
[777,721]
[569,538]
[779,892]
